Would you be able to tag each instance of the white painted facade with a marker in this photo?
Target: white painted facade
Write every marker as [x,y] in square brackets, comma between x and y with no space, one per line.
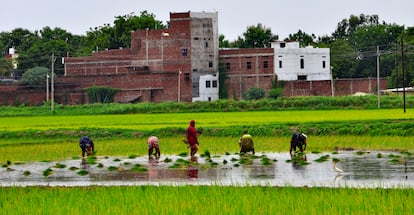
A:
[294,63]
[208,88]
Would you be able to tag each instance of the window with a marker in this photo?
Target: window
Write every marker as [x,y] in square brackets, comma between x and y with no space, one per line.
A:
[302,77]
[228,66]
[249,65]
[210,64]
[184,52]
[302,63]
[265,64]
[214,84]
[323,64]
[280,64]
[206,45]
[282,45]
[208,84]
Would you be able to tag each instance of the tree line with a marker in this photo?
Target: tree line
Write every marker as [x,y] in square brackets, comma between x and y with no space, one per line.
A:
[354,45]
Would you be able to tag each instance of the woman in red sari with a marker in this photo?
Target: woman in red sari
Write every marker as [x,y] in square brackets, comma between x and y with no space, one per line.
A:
[192,138]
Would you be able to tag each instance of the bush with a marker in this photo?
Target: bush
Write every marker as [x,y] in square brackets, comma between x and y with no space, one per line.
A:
[254,94]
[35,76]
[275,93]
[101,94]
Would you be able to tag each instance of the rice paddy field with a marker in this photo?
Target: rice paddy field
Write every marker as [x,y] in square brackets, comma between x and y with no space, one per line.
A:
[40,138]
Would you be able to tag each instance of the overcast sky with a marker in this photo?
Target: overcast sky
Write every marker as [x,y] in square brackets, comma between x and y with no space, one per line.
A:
[234,16]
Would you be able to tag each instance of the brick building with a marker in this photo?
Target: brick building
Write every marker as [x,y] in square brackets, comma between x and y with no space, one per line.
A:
[181,64]
[161,65]
[247,68]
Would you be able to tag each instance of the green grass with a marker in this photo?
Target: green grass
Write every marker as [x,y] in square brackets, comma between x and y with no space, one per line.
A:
[206,120]
[17,152]
[204,200]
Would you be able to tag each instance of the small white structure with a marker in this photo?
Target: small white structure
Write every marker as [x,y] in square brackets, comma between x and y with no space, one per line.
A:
[208,88]
[294,63]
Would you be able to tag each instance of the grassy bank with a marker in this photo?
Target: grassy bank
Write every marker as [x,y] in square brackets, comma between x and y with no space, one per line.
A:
[204,200]
[280,104]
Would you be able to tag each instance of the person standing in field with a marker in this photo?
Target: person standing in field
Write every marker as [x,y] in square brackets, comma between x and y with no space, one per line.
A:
[297,140]
[87,146]
[246,143]
[192,140]
[153,145]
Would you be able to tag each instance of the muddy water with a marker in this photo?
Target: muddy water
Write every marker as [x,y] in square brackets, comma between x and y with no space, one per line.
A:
[374,169]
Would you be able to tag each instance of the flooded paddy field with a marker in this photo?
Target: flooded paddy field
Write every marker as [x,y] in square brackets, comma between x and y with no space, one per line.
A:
[360,169]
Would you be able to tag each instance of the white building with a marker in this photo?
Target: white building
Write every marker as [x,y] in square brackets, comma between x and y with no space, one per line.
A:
[208,88]
[294,63]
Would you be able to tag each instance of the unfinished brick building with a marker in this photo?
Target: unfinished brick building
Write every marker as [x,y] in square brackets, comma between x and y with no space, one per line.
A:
[247,68]
[161,65]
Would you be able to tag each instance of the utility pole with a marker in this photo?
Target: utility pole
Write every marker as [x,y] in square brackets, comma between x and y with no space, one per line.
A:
[52,83]
[378,78]
[403,71]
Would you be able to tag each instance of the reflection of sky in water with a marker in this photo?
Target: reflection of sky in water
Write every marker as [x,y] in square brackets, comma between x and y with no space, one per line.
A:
[360,171]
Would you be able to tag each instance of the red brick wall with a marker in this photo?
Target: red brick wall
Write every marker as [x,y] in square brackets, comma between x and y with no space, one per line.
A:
[70,90]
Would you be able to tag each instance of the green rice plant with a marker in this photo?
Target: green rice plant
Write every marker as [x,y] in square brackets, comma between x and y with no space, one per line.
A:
[60,166]
[113,168]
[132,156]
[246,160]
[205,200]
[82,172]
[100,165]
[26,173]
[180,163]
[323,158]
[265,161]
[167,160]
[395,161]
[234,160]
[206,154]
[73,168]
[47,172]
[117,160]
[183,154]
[139,168]
[360,153]
[91,160]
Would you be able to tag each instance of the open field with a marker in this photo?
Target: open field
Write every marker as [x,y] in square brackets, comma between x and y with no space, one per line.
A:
[204,200]
[37,138]
[205,119]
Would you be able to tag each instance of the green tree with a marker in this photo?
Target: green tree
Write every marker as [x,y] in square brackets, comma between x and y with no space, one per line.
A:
[254,94]
[303,38]
[343,59]
[119,35]
[6,67]
[223,43]
[255,37]
[35,76]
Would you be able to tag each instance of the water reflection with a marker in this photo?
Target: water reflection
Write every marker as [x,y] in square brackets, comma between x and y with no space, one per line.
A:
[275,169]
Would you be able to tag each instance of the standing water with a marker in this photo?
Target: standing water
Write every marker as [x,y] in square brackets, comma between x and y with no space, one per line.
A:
[360,170]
